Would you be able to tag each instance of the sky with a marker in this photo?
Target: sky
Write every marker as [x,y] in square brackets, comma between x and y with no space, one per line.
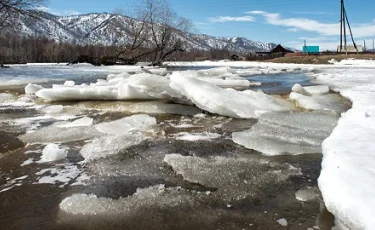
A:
[286,22]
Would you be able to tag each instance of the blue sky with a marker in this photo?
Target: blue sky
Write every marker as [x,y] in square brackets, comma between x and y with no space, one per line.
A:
[288,22]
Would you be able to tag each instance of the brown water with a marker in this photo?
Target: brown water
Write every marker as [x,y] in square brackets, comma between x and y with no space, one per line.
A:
[208,184]
[36,206]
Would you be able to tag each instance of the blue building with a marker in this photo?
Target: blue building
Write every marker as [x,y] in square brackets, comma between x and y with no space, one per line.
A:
[310,49]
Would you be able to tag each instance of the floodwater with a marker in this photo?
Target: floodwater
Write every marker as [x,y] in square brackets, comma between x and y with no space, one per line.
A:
[165,182]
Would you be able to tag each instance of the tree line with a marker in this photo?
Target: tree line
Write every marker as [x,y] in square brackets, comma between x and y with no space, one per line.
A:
[156,33]
[15,49]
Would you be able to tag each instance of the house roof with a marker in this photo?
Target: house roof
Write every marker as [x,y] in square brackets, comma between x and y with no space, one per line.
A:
[280,49]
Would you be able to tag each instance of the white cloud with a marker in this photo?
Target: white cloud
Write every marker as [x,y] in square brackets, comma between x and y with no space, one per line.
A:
[293,29]
[256,12]
[325,29]
[233,19]
[312,13]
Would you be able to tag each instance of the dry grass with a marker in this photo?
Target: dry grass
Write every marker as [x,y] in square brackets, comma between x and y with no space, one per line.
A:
[320,59]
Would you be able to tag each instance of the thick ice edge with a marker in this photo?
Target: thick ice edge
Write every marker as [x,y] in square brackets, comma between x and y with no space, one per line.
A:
[347,177]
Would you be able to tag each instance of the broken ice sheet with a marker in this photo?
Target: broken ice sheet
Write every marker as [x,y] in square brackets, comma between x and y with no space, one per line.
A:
[234,178]
[288,133]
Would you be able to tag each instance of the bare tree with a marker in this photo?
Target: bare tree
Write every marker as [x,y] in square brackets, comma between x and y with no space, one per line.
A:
[155,30]
[11,9]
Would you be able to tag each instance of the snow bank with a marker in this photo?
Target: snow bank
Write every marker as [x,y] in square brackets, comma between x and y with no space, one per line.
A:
[347,177]
[52,152]
[247,104]
[288,133]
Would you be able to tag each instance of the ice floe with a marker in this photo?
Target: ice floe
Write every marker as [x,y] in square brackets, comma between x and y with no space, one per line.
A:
[117,136]
[288,133]
[244,177]
[109,145]
[57,134]
[135,123]
[246,104]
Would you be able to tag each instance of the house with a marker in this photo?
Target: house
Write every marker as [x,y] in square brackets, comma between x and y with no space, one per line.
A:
[350,49]
[236,57]
[311,49]
[280,50]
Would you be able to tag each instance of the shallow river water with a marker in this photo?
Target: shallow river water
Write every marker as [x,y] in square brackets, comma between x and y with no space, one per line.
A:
[187,174]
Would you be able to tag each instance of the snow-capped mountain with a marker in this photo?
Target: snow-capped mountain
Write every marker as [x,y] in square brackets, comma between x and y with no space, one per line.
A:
[112,29]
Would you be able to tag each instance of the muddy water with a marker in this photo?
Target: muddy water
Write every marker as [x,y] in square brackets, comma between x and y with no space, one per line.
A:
[208,184]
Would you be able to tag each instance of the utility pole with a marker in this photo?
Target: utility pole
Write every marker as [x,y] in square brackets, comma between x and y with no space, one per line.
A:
[364,46]
[306,49]
[373,46]
[343,21]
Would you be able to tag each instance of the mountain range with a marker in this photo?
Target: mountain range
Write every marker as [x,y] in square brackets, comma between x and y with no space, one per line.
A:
[113,29]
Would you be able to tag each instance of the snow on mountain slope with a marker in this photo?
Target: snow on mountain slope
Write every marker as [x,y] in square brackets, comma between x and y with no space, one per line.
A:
[112,29]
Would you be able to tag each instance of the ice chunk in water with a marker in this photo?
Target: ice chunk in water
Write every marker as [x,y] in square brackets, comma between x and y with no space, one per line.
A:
[318,89]
[234,178]
[67,93]
[297,88]
[196,136]
[226,102]
[125,125]
[110,145]
[5,97]
[332,102]
[54,133]
[69,83]
[52,152]
[85,121]
[288,133]
[32,88]
[283,222]
[53,109]
[310,90]
[91,205]
[308,193]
